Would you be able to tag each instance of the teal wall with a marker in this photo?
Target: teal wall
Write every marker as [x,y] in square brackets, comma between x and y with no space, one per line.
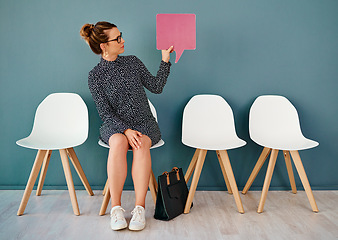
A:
[244,49]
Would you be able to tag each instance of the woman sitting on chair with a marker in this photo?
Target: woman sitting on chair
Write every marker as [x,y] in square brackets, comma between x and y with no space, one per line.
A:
[117,87]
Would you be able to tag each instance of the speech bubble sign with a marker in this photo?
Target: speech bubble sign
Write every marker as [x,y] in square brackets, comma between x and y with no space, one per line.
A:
[178,30]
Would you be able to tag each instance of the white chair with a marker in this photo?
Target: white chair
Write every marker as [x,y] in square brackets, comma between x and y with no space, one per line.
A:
[61,123]
[152,181]
[274,124]
[208,124]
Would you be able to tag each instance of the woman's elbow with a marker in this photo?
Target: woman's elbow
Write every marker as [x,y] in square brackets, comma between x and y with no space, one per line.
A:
[158,90]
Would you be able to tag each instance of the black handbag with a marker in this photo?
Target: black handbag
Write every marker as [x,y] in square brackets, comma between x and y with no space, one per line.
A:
[171,195]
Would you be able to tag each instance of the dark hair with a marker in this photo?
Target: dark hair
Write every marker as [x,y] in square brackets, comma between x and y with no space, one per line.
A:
[94,35]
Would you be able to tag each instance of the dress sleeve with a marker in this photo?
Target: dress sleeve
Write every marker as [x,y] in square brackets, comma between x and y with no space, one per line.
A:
[154,84]
[104,108]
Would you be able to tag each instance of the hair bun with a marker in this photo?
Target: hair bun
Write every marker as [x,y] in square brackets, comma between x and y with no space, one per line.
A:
[86,31]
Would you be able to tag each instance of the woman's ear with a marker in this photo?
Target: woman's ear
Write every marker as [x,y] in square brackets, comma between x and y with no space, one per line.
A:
[102,46]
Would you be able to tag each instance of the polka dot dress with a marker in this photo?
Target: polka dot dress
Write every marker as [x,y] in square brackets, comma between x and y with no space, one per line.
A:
[117,88]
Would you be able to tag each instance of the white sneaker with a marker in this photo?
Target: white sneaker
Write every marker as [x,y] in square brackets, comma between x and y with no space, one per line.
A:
[117,220]
[138,221]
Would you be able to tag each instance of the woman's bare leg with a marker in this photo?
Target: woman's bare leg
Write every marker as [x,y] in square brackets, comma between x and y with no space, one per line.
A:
[117,167]
[141,169]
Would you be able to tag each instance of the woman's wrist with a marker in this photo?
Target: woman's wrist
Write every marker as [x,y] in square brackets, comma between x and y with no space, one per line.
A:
[166,54]
[166,64]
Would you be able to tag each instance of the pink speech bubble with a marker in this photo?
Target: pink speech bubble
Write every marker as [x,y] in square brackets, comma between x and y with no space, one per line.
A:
[178,30]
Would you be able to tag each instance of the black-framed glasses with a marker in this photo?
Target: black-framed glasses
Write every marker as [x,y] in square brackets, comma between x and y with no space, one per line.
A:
[118,39]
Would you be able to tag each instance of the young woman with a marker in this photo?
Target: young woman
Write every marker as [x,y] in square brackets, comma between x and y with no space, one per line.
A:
[117,87]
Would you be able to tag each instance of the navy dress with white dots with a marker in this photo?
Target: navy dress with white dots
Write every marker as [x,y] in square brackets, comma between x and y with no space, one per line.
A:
[117,88]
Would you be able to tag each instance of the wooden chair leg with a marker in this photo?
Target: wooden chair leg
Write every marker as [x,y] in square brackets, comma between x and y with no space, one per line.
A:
[152,186]
[224,172]
[192,166]
[105,202]
[43,172]
[269,172]
[79,170]
[154,182]
[197,173]
[228,169]
[304,179]
[31,180]
[105,188]
[265,153]
[290,172]
[69,180]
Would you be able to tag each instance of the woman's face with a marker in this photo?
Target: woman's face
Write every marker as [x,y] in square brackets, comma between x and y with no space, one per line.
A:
[113,47]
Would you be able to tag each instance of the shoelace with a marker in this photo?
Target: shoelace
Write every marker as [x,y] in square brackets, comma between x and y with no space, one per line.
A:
[117,215]
[137,214]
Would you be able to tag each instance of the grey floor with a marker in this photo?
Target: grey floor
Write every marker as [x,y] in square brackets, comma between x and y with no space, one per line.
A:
[214,216]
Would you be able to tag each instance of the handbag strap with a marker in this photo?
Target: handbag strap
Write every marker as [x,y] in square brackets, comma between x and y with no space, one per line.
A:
[168,180]
[175,169]
[177,172]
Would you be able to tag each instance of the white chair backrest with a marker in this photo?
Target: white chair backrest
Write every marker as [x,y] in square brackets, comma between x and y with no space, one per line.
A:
[153,110]
[62,116]
[207,119]
[273,117]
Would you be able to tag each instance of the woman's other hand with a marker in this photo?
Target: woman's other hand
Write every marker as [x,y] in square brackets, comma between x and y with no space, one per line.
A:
[166,54]
[133,138]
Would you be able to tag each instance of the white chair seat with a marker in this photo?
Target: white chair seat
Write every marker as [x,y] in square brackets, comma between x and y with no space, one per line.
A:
[159,144]
[213,143]
[286,143]
[38,142]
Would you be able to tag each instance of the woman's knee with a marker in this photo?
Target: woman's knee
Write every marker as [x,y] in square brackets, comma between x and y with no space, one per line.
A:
[118,140]
[145,142]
